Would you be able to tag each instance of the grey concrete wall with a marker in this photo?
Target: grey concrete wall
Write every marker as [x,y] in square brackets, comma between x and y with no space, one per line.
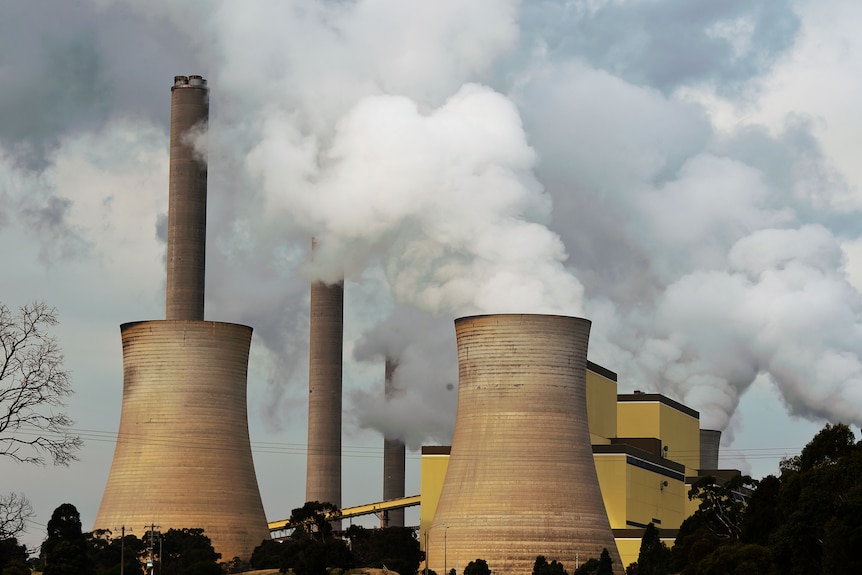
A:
[183,457]
[521,481]
[710,440]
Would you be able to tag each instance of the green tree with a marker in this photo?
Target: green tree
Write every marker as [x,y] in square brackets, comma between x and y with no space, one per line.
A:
[315,518]
[817,506]
[722,503]
[477,567]
[395,547]
[107,553]
[542,567]
[605,563]
[588,567]
[186,552]
[13,557]
[691,547]
[735,558]
[64,551]
[267,555]
[654,557]
[310,556]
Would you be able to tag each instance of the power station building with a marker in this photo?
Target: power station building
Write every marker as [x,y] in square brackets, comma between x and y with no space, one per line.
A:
[647,450]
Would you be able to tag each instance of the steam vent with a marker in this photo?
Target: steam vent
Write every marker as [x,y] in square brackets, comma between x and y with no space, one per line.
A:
[521,481]
[183,457]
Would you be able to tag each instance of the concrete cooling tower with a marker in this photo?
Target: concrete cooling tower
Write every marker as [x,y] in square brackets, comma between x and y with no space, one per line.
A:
[710,439]
[521,481]
[183,457]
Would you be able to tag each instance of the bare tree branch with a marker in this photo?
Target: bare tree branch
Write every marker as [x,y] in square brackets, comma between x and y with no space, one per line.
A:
[15,510]
[33,387]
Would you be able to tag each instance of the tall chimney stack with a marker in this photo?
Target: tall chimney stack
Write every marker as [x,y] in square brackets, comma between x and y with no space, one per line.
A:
[393,458]
[187,201]
[326,336]
[521,480]
[183,457]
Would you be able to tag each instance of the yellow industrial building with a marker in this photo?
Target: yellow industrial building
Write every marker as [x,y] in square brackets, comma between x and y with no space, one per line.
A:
[647,452]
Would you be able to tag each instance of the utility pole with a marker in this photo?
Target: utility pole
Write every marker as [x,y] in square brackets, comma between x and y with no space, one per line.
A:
[150,558]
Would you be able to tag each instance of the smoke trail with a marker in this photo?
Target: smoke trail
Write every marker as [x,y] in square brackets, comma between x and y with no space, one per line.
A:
[567,157]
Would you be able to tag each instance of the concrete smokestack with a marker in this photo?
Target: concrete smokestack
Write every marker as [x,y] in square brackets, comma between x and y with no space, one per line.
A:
[521,481]
[187,201]
[710,439]
[323,469]
[393,459]
[183,456]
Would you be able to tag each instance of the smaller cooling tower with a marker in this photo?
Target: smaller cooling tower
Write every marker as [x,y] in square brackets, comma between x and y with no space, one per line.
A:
[521,481]
[393,459]
[709,445]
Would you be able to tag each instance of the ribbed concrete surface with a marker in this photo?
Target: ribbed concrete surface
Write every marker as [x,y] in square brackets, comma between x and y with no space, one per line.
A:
[521,481]
[183,457]
[393,456]
[710,441]
[323,470]
[187,202]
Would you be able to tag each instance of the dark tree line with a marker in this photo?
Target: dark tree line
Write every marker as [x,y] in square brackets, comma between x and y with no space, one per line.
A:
[313,549]
[807,520]
[69,551]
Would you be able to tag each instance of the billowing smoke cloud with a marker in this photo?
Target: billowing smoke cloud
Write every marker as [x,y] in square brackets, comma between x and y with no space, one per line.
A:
[482,157]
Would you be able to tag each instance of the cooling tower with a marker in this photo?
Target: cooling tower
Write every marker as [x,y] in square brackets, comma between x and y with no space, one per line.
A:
[323,469]
[187,201]
[183,457]
[521,481]
[393,459]
[709,445]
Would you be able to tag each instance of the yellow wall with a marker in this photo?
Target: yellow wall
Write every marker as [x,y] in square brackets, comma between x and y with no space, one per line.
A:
[613,481]
[649,499]
[677,430]
[432,473]
[601,407]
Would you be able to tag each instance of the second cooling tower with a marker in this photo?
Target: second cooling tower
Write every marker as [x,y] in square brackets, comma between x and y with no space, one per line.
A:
[521,481]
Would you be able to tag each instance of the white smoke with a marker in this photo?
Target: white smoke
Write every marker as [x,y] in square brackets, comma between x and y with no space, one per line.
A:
[495,156]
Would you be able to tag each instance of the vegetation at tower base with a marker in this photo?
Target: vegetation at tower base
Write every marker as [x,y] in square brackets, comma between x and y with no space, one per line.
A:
[654,556]
[64,551]
[542,567]
[188,552]
[804,521]
[108,552]
[13,557]
[477,567]
[393,548]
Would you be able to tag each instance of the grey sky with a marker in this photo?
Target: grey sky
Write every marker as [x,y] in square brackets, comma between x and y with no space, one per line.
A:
[681,173]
